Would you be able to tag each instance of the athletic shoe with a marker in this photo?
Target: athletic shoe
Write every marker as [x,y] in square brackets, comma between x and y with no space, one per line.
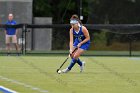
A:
[65,70]
[82,67]
[18,54]
[8,54]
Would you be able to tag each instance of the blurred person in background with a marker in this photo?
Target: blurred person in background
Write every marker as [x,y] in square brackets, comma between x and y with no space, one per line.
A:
[11,35]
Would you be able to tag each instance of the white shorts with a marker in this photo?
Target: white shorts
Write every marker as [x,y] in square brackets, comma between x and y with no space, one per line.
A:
[11,39]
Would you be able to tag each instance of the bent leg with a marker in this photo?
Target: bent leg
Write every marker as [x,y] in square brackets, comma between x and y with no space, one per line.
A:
[73,61]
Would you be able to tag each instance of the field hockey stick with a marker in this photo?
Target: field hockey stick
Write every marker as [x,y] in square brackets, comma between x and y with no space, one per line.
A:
[66,60]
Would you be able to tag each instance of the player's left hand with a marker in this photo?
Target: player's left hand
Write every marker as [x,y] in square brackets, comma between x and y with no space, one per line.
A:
[79,45]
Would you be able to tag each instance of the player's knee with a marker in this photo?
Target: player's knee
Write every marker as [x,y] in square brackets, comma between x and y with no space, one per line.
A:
[76,56]
[8,44]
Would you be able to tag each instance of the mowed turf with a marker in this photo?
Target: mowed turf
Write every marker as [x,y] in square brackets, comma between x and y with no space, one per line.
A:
[37,74]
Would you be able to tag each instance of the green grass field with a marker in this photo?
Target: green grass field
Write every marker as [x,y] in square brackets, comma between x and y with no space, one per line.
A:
[37,74]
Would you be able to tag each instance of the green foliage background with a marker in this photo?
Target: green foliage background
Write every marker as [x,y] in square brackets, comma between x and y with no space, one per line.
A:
[94,12]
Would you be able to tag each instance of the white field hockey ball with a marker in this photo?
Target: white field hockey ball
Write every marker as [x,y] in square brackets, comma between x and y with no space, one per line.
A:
[59,71]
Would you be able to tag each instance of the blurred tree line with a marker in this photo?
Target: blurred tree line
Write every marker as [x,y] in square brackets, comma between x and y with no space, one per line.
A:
[93,11]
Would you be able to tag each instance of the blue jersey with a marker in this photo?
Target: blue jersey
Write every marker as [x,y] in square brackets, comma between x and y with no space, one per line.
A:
[11,31]
[79,37]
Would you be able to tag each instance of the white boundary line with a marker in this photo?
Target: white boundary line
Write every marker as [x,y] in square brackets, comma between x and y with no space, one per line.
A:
[134,58]
[23,84]
[8,89]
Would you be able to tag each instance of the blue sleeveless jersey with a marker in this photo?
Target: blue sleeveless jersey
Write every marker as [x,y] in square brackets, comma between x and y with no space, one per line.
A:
[79,37]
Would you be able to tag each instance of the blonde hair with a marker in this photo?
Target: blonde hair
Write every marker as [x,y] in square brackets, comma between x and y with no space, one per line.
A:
[76,18]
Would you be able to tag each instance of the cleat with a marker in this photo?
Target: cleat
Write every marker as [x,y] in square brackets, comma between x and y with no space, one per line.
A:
[82,67]
[65,70]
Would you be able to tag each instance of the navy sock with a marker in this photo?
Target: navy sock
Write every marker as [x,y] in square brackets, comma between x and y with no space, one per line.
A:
[73,61]
[79,62]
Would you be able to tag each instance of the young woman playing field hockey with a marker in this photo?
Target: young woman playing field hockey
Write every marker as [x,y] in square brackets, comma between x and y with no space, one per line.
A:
[80,39]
